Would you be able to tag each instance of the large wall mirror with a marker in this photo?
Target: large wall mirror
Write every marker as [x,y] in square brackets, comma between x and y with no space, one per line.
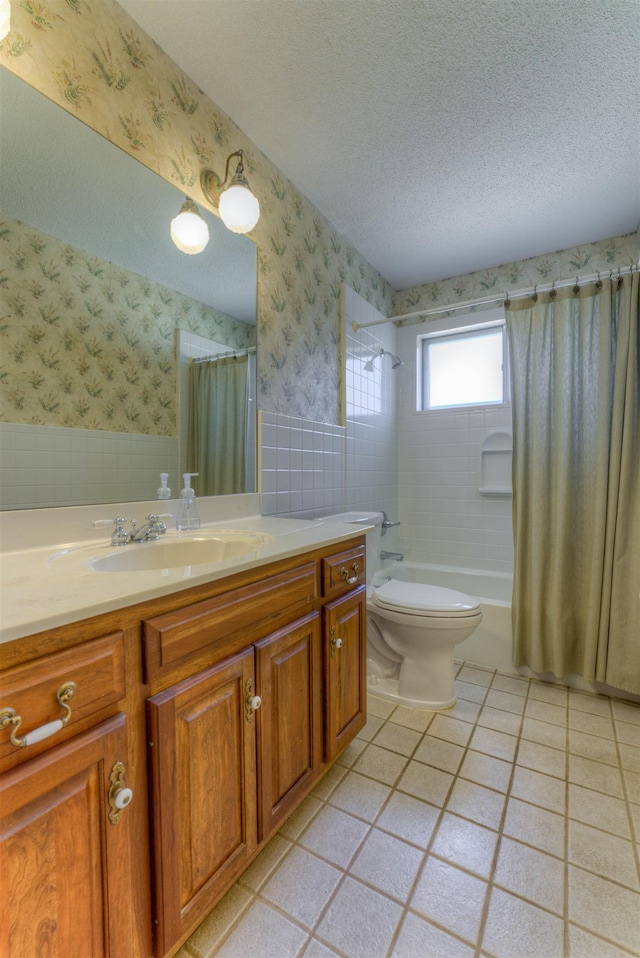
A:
[102,313]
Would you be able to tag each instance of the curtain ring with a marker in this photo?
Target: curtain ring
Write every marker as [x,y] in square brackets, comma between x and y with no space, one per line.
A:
[599,283]
[534,296]
[576,288]
[507,301]
[620,279]
[552,294]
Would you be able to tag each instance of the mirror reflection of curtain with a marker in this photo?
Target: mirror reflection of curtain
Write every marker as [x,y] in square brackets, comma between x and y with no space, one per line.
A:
[218,425]
[576,472]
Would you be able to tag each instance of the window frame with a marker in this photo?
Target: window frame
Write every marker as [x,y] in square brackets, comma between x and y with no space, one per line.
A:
[450,329]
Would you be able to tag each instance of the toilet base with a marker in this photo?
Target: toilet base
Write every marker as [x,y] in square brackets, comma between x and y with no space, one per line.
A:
[388,689]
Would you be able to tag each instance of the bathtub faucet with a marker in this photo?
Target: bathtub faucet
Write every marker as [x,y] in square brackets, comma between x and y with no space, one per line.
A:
[387,523]
[398,556]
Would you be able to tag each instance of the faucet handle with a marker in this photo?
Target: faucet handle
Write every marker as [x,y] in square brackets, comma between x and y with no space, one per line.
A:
[387,523]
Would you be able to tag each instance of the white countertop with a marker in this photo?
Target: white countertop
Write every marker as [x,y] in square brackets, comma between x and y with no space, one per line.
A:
[55,584]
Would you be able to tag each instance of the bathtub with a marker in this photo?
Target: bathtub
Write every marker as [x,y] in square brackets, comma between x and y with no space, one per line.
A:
[491,644]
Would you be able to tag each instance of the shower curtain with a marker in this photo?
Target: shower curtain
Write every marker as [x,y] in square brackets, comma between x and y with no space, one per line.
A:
[576,480]
[216,447]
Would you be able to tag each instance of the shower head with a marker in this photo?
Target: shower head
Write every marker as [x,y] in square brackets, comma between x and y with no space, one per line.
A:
[395,360]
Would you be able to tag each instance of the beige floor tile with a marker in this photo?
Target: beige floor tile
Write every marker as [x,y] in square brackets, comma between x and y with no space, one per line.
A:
[632,782]
[450,897]
[554,694]
[470,692]
[479,804]
[634,813]
[601,725]
[477,676]
[465,710]
[531,874]
[630,757]
[352,752]
[516,928]
[360,796]
[259,870]
[626,711]
[506,701]
[426,783]
[381,764]
[409,818]
[466,844]
[301,886]
[450,729]
[388,863]
[331,780]
[317,949]
[603,853]
[373,726]
[551,761]
[535,826]
[335,835]
[604,908]
[398,738]
[359,921]
[486,770]
[419,937]
[263,931]
[546,712]
[382,708]
[587,702]
[511,683]
[495,743]
[207,937]
[591,774]
[298,821]
[601,811]
[539,789]
[416,719]
[440,754]
[628,733]
[593,747]
[582,944]
[555,736]
[500,720]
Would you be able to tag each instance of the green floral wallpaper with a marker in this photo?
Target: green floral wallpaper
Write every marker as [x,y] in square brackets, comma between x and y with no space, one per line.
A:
[88,344]
[93,59]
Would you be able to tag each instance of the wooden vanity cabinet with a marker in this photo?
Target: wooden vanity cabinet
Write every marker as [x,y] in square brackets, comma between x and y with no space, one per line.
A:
[225,703]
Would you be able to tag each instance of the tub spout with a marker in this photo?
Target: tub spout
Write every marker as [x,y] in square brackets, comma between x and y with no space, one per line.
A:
[398,556]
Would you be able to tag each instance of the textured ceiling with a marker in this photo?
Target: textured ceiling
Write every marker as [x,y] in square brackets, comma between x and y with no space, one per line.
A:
[438,136]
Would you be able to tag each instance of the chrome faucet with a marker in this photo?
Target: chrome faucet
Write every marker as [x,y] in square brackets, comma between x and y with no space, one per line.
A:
[386,523]
[398,556]
[153,528]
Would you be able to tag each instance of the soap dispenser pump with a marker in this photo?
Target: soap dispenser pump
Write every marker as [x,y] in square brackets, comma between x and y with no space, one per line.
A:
[163,489]
[188,517]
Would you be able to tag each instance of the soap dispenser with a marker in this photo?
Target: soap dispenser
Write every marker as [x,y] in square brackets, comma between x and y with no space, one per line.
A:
[188,517]
[163,490]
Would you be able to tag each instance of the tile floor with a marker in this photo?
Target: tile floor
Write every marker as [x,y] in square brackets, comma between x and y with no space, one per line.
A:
[505,827]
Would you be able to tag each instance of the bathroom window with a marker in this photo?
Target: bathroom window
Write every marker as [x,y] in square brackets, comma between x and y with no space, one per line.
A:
[465,366]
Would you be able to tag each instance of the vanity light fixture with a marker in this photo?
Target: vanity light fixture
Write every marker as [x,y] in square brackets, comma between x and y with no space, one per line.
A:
[5,18]
[189,231]
[238,207]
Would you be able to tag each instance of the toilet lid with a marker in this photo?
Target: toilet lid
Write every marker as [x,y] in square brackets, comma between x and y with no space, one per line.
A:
[423,599]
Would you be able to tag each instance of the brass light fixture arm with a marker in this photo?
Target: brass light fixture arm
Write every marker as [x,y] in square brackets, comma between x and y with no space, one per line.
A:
[213,186]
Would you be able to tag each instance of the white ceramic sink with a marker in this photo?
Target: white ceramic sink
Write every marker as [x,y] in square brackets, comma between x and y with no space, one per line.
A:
[175,553]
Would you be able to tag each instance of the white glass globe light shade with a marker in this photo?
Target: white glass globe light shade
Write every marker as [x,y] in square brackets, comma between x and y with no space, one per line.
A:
[239,209]
[189,231]
[5,18]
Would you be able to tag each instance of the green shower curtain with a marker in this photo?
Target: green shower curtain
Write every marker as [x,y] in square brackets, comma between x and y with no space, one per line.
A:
[576,481]
[217,425]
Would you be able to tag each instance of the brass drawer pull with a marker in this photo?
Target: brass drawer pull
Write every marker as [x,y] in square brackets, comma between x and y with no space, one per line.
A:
[8,717]
[350,580]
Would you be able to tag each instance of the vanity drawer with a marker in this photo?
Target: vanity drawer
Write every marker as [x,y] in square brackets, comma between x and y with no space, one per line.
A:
[343,571]
[227,622]
[96,669]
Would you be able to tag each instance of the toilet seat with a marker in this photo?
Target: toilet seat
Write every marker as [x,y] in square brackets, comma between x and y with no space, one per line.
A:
[413,598]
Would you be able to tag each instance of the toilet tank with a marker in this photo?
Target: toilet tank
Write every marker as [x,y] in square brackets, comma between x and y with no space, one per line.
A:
[373,536]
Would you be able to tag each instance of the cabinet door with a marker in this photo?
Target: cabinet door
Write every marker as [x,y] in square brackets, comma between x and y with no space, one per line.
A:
[345,676]
[203,792]
[66,868]
[289,721]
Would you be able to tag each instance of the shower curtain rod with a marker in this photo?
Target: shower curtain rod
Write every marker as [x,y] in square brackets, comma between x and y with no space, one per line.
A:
[237,352]
[491,300]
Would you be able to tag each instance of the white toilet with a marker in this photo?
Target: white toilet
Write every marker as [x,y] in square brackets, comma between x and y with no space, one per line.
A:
[412,630]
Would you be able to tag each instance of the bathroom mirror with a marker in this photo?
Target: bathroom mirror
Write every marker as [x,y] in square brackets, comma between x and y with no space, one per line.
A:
[96,233]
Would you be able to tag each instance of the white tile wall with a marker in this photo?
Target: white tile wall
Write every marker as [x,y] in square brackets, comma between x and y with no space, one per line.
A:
[55,466]
[444,517]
